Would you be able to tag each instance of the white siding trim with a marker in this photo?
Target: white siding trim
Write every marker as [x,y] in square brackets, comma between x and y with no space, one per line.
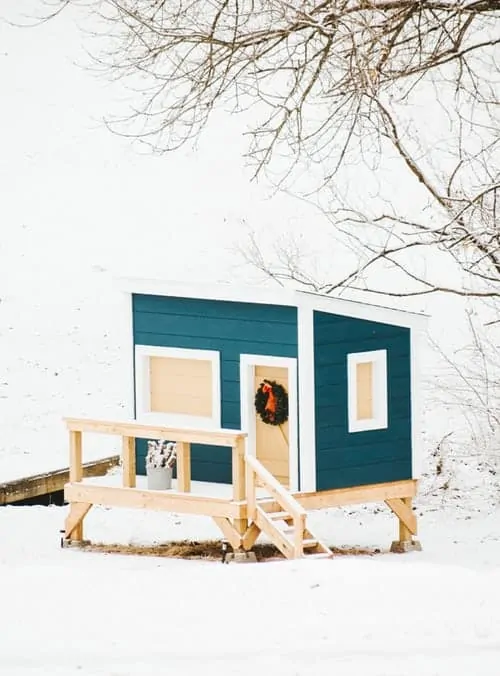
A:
[248,416]
[142,389]
[128,352]
[380,420]
[273,296]
[307,407]
[416,404]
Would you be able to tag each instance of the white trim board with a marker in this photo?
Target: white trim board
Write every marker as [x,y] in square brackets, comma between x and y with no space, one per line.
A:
[274,296]
[142,388]
[248,415]
[416,372]
[379,421]
[307,406]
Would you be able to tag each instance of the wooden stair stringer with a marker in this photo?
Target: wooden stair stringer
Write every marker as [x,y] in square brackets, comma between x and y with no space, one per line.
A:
[283,540]
[277,537]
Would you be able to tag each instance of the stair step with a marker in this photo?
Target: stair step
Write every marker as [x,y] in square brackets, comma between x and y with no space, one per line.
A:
[276,516]
[309,544]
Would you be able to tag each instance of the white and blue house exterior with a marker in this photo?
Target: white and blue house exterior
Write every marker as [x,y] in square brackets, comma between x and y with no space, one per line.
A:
[351,372]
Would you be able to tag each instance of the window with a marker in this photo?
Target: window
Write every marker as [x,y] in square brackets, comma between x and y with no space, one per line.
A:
[177,387]
[367,390]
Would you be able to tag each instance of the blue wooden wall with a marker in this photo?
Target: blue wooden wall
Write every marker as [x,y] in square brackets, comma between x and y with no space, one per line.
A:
[233,329]
[346,459]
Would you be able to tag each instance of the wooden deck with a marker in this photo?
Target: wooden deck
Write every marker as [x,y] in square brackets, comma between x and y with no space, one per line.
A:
[257,503]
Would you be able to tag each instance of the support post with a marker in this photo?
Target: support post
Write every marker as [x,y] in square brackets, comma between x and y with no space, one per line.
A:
[183,467]
[239,488]
[406,543]
[404,531]
[128,461]
[75,475]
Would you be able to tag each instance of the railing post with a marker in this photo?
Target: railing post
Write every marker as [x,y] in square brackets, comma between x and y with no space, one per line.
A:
[128,462]
[75,456]
[239,488]
[251,492]
[183,467]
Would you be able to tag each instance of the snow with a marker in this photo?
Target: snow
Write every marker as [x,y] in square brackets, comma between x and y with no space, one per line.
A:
[72,612]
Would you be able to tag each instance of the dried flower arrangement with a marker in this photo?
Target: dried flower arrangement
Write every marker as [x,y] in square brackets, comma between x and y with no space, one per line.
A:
[161,453]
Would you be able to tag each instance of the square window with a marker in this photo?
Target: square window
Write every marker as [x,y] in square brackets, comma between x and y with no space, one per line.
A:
[367,390]
[178,386]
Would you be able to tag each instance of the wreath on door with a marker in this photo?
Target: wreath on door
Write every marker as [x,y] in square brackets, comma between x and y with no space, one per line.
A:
[271,403]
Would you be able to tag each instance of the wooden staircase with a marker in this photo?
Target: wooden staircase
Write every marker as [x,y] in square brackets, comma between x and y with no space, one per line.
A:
[280,517]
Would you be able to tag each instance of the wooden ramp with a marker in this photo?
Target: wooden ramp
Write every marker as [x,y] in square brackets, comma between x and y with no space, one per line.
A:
[50,482]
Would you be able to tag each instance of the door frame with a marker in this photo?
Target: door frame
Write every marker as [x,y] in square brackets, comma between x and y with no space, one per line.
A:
[248,362]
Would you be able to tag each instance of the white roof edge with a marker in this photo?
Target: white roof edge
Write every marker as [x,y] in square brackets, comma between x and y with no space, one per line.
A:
[273,296]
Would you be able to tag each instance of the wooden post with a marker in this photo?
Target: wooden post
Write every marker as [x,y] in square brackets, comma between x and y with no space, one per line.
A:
[239,489]
[406,543]
[75,474]
[75,457]
[183,467]
[128,461]
[251,492]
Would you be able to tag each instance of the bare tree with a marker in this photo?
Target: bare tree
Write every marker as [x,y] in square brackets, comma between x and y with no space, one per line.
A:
[343,88]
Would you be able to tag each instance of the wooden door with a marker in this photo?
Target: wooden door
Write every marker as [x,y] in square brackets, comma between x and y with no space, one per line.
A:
[272,441]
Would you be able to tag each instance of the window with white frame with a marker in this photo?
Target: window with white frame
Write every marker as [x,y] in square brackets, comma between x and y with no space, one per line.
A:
[177,387]
[367,390]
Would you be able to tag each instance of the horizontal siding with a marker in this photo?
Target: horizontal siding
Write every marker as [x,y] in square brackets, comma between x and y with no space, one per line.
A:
[346,459]
[375,473]
[228,327]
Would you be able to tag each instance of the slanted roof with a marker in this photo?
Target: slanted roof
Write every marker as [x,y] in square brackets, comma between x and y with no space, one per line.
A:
[304,300]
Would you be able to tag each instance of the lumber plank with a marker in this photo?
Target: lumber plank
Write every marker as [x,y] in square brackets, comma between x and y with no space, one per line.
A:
[351,496]
[281,495]
[75,456]
[407,519]
[250,536]
[73,527]
[184,466]
[143,431]
[136,498]
[229,532]
[128,461]
[239,482]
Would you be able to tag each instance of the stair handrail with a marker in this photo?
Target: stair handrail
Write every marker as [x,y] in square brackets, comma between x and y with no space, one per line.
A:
[285,499]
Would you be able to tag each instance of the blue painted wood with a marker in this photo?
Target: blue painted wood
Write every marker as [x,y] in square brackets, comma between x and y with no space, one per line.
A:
[346,459]
[232,329]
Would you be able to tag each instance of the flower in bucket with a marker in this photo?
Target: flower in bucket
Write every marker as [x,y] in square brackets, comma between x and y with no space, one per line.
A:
[161,453]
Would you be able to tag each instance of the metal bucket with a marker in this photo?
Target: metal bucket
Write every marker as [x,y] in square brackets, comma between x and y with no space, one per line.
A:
[159,478]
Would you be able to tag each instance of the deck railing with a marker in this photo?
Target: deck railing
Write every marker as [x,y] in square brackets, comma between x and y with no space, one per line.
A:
[79,494]
[288,504]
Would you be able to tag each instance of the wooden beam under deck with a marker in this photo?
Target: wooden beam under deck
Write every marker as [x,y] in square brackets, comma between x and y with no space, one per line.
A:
[157,500]
[338,497]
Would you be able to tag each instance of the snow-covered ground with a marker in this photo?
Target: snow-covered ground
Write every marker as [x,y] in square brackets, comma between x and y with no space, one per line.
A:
[67,612]
[80,207]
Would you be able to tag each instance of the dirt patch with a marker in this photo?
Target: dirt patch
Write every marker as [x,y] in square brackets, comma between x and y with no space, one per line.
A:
[210,550]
